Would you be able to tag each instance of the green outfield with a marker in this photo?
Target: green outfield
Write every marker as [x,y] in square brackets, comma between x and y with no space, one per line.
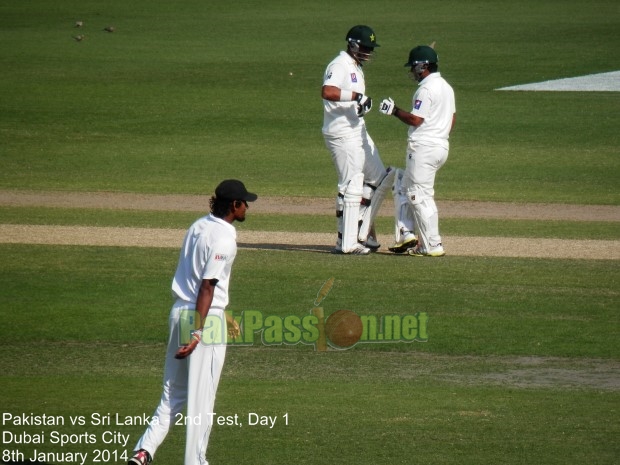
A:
[522,361]
[181,95]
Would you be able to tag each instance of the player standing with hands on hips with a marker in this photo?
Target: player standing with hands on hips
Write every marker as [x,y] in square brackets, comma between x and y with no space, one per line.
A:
[192,372]
[430,122]
[362,177]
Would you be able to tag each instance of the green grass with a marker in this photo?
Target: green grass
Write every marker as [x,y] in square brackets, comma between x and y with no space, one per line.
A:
[178,98]
[340,409]
[477,306]
[521,362]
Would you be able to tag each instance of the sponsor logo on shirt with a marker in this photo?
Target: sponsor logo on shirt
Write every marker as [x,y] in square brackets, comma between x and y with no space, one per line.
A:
[417,104]
[353,77]
[220,257]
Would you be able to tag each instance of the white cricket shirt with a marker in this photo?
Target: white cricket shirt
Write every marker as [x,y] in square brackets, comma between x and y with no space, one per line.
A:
[208,252]
[340,118]
[433,101]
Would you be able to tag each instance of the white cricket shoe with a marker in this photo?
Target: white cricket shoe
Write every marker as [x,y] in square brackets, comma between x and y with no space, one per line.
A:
[358,249]
[421,251]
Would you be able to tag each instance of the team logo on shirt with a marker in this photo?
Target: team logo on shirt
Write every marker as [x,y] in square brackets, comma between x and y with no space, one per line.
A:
[221,257]
[417,104]
[353,77]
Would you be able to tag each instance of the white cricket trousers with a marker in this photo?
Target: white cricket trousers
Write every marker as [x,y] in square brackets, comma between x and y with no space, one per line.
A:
[353,154]
[190,382]
[423,162]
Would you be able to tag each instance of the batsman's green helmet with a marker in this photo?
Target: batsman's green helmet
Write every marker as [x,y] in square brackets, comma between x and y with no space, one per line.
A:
[362,35]
[421,54]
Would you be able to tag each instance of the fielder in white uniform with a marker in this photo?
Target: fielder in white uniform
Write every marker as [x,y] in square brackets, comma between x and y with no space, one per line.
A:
[362,178]
[430,122]
[200,287]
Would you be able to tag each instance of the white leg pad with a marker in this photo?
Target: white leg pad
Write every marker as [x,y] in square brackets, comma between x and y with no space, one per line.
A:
[339,214]
[365,205]
[404,220]
[375,203]
[350,217]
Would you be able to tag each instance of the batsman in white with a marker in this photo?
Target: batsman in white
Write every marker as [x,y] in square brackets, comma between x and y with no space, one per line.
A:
[192,372]
[362,177]
[430,122]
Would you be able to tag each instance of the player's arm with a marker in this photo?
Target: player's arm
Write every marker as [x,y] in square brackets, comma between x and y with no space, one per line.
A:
[203,304]
[335,75]
[408,118]
[453,121]
[205,298]
[388,107]
[335,94]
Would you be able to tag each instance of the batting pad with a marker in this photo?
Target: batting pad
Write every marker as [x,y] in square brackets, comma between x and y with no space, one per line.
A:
[350,217]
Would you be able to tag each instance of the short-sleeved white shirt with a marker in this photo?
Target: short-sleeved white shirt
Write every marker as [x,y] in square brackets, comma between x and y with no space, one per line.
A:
[433,101]
[340,118]
[208,251]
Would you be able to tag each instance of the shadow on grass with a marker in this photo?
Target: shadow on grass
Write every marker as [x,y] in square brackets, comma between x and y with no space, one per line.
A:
[300,247]
[306,248]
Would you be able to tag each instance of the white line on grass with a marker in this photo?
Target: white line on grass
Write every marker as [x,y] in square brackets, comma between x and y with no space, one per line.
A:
[603,82]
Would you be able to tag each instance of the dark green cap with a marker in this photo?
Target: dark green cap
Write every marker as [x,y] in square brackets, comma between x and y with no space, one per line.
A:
[422,54]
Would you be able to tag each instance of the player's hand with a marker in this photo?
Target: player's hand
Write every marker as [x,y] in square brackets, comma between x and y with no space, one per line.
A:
[185,351]
[387,106]
[364,104]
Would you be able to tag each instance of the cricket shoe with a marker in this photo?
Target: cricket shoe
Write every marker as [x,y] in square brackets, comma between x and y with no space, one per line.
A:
[401,247]
[420,251]
[358,249]
[142,457]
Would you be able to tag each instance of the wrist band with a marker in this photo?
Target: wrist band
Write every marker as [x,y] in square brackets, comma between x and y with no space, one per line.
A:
[346,95]
[196,334]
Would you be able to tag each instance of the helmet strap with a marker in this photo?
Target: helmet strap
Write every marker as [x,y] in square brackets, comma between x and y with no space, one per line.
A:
[355,52]
[419,69]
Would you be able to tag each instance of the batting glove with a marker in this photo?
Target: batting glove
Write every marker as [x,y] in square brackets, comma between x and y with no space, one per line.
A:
[185,351]
[364,104]
[387,106]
